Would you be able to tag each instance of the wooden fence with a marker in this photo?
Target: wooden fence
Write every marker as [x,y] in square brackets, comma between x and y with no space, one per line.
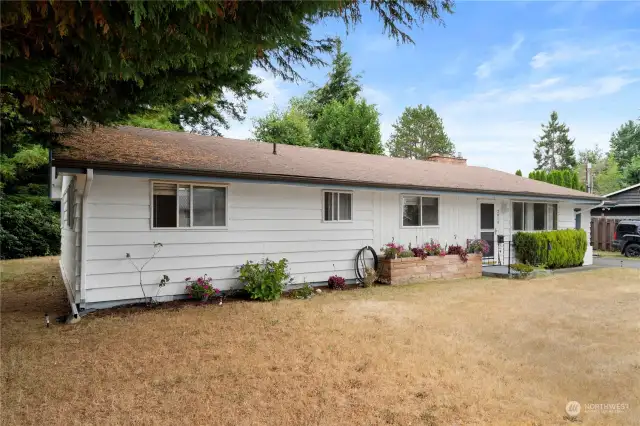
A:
[602,229]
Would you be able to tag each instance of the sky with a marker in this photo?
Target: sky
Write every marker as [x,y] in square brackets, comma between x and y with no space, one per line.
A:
[494,73]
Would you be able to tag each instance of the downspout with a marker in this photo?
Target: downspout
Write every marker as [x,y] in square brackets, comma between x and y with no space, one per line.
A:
[85,231]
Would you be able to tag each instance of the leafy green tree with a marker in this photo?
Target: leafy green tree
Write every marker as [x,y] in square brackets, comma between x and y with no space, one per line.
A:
[610,179]
[632,172]
[590,156]
[518,172]
[154,118]
[419,133]
[625,143]
[554,149]
[349,126]
[290,127]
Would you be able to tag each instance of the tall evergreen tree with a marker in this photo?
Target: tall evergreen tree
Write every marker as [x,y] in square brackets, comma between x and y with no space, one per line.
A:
[341,84]
[419,133]
[575,181]
[518,172]
[554,150]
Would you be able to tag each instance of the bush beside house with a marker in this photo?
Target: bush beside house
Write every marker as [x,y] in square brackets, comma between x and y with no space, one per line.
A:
[555,249]
[29,227]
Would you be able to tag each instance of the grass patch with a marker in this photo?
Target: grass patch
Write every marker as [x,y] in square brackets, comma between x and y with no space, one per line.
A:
[603,253]
[479,351]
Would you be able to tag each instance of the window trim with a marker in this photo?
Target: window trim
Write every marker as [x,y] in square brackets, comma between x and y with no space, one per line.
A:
[324,191]
[547,226]
[420,196]
[191,185]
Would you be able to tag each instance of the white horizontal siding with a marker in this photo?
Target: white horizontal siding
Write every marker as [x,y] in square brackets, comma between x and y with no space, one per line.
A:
[243,225]
[269,249]
[98,267]
[274,221]
[106,238]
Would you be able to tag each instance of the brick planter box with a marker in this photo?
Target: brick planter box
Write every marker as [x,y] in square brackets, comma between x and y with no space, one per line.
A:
[413,269]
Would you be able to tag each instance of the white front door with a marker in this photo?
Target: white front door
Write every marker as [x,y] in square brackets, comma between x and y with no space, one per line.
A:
[488,225]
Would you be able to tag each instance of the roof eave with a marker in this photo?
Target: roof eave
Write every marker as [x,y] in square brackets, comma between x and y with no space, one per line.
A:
[628,188]
[120,167]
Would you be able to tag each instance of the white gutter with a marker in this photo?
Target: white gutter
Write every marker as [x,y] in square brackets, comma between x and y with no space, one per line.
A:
[85,231]
[592,208]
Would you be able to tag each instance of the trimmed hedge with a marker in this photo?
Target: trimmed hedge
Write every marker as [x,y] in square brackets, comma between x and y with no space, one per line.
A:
[568,247]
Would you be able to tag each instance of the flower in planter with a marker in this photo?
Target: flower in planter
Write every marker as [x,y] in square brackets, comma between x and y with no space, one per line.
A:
[432,248]
[391,250]
[478,246]
[459,250]
[201,288]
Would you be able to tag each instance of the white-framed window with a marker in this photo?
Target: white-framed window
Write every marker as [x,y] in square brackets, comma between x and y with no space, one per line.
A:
[419,211]
[188,205]
[337,206]
[534,216]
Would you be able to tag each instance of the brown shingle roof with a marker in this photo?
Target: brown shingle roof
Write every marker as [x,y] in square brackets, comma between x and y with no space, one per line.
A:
[136,149]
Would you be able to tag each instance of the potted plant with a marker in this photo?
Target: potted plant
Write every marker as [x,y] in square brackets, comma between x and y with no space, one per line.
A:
[201,288]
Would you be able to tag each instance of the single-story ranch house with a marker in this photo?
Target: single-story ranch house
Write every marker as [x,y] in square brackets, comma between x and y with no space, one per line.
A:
[214,203]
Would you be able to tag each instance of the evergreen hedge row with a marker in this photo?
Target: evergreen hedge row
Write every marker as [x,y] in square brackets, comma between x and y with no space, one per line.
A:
[568,247]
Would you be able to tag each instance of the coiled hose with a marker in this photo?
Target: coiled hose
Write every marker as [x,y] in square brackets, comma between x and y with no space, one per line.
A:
[360,264]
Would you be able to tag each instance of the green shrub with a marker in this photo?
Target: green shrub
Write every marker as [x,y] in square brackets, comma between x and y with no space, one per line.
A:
[304,292]
[406,253]
[524,270]
[29,227]
[265,280]
[568,247]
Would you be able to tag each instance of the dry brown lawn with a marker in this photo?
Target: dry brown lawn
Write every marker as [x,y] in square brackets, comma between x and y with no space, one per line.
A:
[463,352]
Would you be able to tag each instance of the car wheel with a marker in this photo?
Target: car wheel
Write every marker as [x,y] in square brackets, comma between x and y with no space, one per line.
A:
[632,250]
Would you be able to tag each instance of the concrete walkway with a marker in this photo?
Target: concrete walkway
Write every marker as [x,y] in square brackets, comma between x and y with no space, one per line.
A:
[598,263]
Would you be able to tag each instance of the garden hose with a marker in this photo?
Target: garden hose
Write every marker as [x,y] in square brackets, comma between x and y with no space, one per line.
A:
[360,265]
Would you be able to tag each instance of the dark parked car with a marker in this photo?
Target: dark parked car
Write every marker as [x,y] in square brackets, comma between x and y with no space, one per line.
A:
[626,238]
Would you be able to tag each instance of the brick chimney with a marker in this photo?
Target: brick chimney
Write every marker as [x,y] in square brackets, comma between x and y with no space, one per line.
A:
[447,159]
